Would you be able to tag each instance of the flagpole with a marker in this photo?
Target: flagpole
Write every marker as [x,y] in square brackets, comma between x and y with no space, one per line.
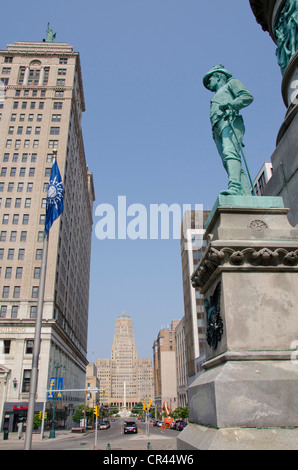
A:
[36,347]
[54,184]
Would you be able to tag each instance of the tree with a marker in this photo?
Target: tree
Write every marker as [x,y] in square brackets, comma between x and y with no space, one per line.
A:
[79,413]
[180,413]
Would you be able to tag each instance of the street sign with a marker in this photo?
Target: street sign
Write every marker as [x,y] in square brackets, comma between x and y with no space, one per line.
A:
[60,387]
[51,387]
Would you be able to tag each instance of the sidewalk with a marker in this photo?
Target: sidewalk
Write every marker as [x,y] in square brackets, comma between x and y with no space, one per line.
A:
[13,437]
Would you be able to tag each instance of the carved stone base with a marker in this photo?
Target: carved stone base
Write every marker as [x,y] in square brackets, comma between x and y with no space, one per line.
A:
[251,376]
[195,437]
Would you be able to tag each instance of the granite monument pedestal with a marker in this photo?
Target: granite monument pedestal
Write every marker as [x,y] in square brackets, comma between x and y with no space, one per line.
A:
[246,396]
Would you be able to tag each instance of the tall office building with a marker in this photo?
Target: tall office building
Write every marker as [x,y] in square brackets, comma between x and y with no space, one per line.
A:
[165,372]
[41,111]
[126,379]
[192,247]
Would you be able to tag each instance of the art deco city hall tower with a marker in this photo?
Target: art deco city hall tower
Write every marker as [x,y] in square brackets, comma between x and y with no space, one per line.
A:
[41,111]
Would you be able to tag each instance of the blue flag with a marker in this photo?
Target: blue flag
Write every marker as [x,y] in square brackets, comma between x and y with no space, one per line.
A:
[54,197]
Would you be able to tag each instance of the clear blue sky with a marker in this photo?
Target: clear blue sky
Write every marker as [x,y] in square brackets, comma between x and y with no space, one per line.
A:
[146,129]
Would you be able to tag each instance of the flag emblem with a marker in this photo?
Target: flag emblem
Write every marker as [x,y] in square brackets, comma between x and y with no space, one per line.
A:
[54,197]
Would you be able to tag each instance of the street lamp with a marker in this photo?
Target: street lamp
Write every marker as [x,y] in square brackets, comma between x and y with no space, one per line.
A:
[52,431]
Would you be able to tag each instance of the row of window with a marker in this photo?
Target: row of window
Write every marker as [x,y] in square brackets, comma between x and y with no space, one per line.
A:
[18,202]
[28,348]
[15,220]
[24,105]
[55,117]
[34,81]
[33,158]
[22,171]
[52,144]
[9,60]
[20,187]
[21,253]
[53,130]
[13,238]
[4,310]
[17,292]
[19,273]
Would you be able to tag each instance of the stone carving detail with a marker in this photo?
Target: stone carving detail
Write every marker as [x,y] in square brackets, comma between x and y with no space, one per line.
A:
[258,225]
[248,256]
[214,321]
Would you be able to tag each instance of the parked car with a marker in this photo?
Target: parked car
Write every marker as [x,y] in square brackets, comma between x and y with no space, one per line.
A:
[130,426]
[155,422]
[181,426]
[104,425]
[176,423]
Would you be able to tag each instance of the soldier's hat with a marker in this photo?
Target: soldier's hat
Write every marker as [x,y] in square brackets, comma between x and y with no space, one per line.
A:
[217,68]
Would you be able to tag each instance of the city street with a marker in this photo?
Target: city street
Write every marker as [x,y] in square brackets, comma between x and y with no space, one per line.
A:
[113,439]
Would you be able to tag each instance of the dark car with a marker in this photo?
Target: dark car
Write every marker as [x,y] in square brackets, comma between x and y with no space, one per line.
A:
[130,426]
[176,424]
[180,426]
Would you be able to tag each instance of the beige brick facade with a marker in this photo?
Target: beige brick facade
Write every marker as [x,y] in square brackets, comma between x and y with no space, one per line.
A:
[41,111]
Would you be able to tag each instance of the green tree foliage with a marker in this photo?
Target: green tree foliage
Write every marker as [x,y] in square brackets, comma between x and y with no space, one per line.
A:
[79,413]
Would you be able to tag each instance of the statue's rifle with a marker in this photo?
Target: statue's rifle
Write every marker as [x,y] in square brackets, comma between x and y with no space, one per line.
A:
[230,114]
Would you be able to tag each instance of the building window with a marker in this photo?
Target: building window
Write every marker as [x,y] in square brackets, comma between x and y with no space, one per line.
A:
[5,292]
[3,311]
[36,273]
[26,381]
[33,310]
[7,344]
[15,219]
[29,346]
[8,273]
[19,273]
[22,75]
[46,75]
[16,292]
[21,254]
[34,75]
[55,130]
[53,144]
[25,219]
[14,311]
[34,292]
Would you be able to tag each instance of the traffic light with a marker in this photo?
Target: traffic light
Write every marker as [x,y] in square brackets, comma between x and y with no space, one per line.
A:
[46,415]
[39,414]
[96,411]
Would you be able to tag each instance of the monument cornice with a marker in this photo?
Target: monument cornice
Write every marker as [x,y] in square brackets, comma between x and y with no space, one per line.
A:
[266,12]
[266,258]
